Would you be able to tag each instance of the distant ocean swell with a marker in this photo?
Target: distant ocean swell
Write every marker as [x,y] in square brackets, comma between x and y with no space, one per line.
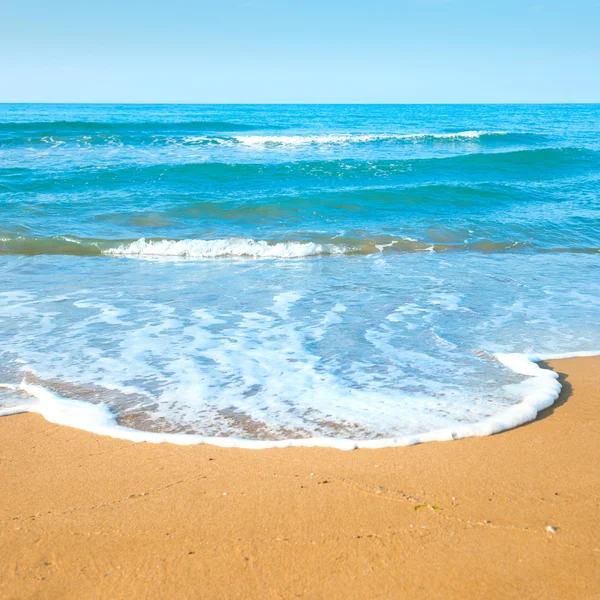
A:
[498,166]
[77,127]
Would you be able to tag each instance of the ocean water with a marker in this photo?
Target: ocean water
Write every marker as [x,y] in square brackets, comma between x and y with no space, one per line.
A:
[295,275]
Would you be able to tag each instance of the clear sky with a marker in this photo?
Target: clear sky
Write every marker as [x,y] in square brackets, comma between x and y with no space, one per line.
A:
[300,51]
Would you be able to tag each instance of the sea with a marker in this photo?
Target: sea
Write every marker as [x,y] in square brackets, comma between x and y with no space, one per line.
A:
[279,275]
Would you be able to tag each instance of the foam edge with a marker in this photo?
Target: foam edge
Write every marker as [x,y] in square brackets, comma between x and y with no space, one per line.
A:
[540,391]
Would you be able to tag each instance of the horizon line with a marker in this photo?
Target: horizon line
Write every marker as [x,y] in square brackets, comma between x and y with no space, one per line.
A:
[121,103]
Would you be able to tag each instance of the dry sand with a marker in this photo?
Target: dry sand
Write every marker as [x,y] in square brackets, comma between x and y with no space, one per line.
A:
[91,517]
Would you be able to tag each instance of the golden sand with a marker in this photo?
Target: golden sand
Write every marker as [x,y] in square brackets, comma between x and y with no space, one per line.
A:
[515,515]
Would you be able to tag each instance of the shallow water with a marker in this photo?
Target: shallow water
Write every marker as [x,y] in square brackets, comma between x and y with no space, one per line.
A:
[377,274]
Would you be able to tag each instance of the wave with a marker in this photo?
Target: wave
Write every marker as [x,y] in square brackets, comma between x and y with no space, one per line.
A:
[91,127]
[187,248]
[186,133]
[62,245]
[539,391]
[236,247]
[240,247]
[295,208]
[342,138]
[532,164]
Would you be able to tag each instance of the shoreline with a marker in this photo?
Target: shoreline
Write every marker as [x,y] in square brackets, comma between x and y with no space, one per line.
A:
[513,514]
[99,420]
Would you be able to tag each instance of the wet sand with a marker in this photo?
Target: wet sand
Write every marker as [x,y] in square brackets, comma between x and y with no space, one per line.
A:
[515,515]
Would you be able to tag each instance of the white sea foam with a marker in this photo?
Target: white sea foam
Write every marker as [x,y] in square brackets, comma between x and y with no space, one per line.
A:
[538,392]
[563,355]
[15,410]
[383,350]
[232,247]
[356,138]
[283,302]
[335,138]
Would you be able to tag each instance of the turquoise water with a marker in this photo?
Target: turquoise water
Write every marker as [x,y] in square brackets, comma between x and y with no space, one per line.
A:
[374,274]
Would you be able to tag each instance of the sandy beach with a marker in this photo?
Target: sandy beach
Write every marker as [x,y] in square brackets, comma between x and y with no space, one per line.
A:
[514,515]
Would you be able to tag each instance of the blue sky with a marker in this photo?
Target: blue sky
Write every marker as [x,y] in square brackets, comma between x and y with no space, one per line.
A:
[300,51]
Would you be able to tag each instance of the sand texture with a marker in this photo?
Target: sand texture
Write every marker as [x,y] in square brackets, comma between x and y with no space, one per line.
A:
[515,515]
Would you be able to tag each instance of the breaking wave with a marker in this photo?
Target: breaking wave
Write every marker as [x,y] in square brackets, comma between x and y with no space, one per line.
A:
[228,134]
[236,247]
[340,138]
[244,247]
